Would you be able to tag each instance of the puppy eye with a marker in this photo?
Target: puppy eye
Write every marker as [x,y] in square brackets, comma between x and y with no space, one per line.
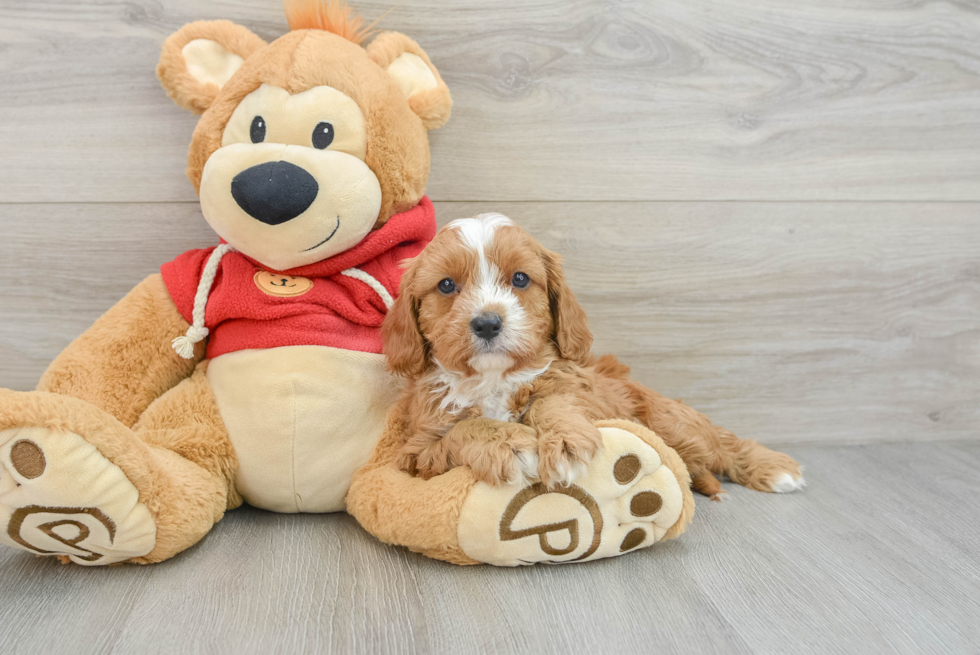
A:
[447,286]
[322,135]
[257,131]
[520,280]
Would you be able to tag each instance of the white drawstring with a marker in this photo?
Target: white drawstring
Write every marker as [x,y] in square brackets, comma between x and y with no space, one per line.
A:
[367,279]
[184,345]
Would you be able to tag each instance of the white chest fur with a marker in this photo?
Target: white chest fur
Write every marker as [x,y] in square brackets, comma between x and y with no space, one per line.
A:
[490,391]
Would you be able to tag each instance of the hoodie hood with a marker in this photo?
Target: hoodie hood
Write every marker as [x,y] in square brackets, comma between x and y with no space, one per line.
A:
[338,302]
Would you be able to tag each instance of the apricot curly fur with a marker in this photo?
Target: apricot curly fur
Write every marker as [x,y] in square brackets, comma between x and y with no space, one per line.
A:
[427,339]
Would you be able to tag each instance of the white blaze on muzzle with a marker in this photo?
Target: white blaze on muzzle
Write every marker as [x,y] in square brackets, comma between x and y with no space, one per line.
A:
[491,292]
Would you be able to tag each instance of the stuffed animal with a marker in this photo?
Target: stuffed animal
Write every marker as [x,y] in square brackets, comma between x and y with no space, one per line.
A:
[251,371]
[497,451]
[635,493]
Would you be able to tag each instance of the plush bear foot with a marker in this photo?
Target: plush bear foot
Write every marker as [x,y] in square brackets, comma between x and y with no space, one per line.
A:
[634,493]
[60,496]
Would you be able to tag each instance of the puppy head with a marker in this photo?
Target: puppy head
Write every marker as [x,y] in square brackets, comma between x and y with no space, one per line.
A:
[483,296]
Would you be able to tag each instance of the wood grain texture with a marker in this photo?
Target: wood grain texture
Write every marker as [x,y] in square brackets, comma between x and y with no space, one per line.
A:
[785,322]
[607,100]
[878,554]
[584,120]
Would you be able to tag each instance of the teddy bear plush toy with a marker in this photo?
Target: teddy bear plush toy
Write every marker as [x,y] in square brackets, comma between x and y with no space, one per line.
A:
[251,371]
[635,492]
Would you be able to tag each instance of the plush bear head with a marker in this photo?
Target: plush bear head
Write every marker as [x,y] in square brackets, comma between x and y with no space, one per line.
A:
[307,143]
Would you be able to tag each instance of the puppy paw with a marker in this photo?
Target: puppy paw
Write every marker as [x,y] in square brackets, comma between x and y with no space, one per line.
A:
[509,457]
[566,471]
[527,461]
[562,459]
[776,473]
[786,482]
[427,463]
[405,461]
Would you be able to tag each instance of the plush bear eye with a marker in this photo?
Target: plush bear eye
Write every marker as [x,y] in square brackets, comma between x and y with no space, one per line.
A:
[322,135]
[447,286]
[257,131]
[520,280]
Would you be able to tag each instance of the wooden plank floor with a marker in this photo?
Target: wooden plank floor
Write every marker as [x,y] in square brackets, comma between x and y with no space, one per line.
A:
[881,553]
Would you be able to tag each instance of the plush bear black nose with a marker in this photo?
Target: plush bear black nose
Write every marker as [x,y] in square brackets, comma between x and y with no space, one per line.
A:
[487,326]
[274,192]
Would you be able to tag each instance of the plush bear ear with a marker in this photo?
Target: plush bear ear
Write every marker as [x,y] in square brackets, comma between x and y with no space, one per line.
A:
[200,57]
[407,63]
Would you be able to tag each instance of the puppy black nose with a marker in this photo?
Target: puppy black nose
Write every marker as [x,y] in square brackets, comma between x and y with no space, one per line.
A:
[487,326]
[274,192]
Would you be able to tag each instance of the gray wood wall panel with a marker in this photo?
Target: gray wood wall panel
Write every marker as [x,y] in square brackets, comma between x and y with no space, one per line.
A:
[667,99]
[786,322]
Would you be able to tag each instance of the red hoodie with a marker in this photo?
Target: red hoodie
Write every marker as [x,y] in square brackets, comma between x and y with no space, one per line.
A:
[334,302]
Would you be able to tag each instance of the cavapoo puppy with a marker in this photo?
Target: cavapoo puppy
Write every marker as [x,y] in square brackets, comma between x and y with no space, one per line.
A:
[501,378]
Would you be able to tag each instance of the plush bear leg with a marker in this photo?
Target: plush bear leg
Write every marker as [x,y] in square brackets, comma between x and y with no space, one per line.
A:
[636,492]
[185,424]
[398,509]
[77,483]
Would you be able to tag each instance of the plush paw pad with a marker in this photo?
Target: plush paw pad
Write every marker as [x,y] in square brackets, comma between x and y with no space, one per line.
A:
[626,499]
[60,496]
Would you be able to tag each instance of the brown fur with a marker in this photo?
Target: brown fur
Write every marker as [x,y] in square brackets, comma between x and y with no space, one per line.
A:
[561,406]
[124,361]
[420,514]
[432,106]
[398,146]
[120,385]
[152,414]
[172,69]
[708,485]
[424,515]
[179,458]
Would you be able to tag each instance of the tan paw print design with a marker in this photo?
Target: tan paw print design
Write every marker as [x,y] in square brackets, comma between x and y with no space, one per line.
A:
[627,500]
[60,496]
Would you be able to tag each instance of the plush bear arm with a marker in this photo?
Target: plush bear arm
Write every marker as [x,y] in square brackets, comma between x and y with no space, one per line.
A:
[125,361]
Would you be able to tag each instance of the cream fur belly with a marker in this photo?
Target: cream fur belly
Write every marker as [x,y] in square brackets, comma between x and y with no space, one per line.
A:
[302,420]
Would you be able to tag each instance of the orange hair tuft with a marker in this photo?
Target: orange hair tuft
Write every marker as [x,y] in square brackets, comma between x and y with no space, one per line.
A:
[329,15]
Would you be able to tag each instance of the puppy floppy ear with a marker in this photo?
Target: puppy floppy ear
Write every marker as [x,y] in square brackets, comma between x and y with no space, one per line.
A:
[405,349]
[427,95]
[199,58]
[571,327]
